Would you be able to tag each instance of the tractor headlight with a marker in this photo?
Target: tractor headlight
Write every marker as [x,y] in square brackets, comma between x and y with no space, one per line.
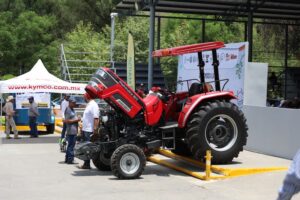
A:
[104,119]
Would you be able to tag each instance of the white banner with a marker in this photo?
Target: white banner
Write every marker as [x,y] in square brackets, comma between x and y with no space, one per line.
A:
[233,58]
[130,63]
[256,90]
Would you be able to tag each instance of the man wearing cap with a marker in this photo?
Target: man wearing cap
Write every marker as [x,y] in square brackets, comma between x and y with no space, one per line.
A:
[9,120]
[71,121]
[63,106]
[33,113]
[90,123]
[141,91]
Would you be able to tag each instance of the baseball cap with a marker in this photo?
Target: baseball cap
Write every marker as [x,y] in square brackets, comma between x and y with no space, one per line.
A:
[87,96]
[10,97]
[31,97]
[72,99]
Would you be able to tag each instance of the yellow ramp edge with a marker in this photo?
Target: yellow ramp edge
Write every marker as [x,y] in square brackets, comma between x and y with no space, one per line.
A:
[198,175]
[226,172]
[57,130]
[26,128]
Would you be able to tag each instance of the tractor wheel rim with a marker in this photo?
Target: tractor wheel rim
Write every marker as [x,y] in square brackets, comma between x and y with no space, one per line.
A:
[130,163]
[221,132]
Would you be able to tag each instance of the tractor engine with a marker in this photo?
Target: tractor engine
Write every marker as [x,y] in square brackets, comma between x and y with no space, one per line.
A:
[132,119]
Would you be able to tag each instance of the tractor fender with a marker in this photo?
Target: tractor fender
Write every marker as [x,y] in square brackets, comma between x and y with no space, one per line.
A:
[193,102]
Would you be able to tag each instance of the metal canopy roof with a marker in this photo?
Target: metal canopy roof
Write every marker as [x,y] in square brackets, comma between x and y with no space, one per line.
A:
[273,9]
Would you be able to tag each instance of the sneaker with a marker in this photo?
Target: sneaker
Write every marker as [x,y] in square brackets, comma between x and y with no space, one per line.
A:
[8,137]
[17,137]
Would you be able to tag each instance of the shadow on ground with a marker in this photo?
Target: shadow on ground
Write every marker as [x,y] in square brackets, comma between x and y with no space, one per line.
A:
[149,170]
[25,139]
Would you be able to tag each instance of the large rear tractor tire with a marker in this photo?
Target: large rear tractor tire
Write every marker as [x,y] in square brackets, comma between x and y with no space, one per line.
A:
[102,161]
[218,126]
[128,162]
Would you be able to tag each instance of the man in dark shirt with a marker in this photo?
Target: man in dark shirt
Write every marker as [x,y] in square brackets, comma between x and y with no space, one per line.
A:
[71,121]
[33,113]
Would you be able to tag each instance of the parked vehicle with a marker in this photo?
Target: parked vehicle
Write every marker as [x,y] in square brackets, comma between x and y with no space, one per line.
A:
[186,122]
[46,116]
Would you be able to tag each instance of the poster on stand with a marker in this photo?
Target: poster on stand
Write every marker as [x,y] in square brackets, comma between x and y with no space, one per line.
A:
[41,99]
[232,58]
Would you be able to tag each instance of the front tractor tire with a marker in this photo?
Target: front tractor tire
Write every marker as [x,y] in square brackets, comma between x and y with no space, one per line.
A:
[128,162]
[218,126]
[102,161]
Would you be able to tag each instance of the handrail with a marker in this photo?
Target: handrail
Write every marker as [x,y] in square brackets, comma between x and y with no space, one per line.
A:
[188,80]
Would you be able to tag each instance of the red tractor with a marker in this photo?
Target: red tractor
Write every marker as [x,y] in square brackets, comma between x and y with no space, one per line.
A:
[188,122]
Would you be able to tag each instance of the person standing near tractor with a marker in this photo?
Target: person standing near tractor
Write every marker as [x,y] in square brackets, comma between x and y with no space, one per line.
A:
[141,90]
[90,123]
[71,121]
[291,183]
[33,113]
[9,120]
[64,105]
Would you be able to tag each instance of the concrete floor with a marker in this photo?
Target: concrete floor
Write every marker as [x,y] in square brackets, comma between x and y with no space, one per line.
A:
[32,169]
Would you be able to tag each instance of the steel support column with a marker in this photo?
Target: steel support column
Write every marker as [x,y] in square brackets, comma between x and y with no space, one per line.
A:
[203,30]
[286,59]
[158,36]
[112,39]
[245,31]
[250,33]
[151,42]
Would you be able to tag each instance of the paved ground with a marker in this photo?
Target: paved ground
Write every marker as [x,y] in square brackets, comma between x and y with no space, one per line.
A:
[32,169]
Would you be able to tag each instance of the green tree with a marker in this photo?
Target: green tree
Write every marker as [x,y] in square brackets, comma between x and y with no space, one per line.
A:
[139,28]
[23,38]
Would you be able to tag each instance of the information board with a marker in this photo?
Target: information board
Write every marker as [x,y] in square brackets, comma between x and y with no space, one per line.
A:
[41,99]
[232,58]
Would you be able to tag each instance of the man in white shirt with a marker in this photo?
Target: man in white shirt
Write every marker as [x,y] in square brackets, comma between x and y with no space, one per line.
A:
[63,107]
[90,122]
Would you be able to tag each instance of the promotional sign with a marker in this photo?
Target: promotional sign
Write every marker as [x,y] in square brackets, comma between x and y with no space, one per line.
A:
[41,99]
[130,63]
[256,90]
[232,58]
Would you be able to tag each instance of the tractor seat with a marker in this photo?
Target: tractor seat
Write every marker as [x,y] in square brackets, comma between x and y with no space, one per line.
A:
[196,88]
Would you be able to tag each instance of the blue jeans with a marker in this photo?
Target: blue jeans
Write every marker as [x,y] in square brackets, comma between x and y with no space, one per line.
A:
[86,136]
[63,132]
[33,127]
[70,148]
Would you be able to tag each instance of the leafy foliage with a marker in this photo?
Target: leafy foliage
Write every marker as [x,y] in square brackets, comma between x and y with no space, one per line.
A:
[32,29]
[23,38]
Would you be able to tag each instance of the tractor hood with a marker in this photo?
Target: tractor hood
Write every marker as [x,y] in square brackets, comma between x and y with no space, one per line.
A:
[100,81]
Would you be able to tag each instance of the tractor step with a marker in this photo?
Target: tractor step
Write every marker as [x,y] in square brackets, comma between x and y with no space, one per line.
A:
[169,126]
[168,135]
